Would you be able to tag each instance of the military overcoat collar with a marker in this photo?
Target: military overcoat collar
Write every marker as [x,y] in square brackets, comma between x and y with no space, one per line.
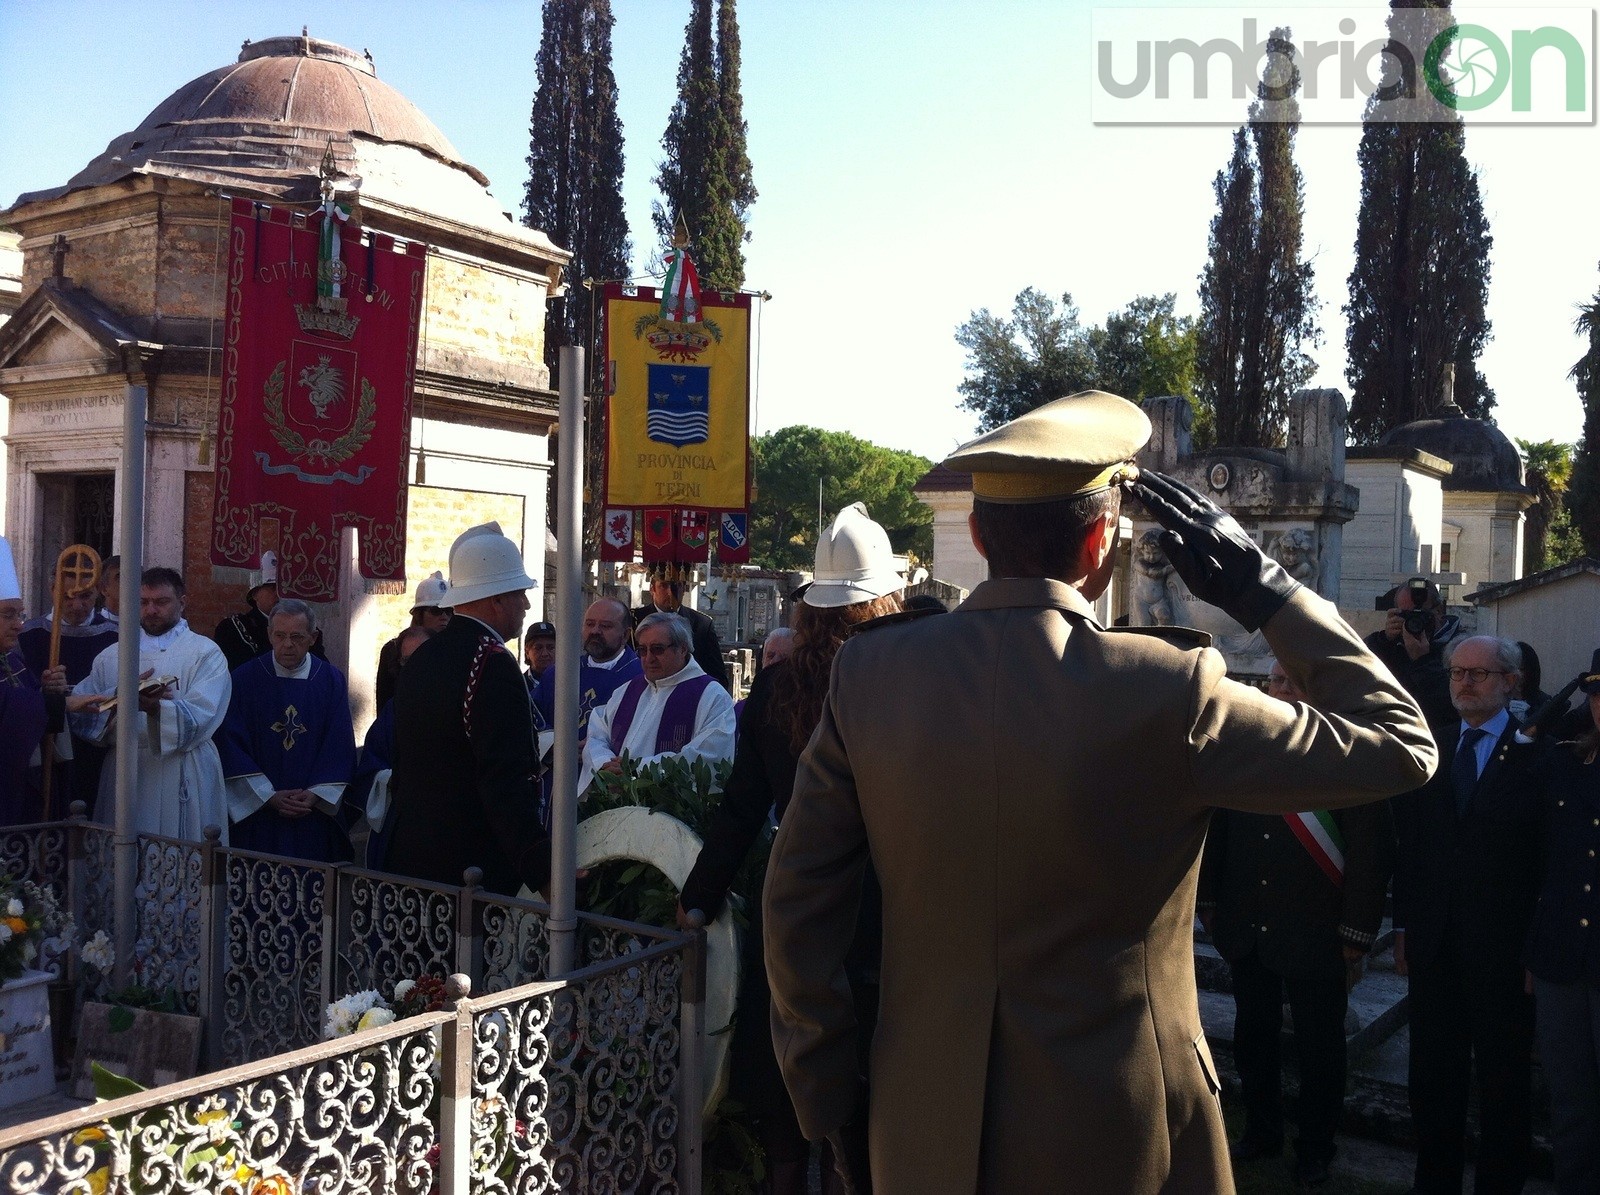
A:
[1010,593]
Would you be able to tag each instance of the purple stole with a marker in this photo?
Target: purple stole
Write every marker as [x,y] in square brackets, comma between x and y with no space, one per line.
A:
[677,719]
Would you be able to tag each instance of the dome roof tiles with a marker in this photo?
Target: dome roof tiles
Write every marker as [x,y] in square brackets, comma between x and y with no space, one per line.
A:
[1484,459]
[265,121]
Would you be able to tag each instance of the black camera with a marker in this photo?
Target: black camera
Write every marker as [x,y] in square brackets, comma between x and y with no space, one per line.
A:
[1418,623]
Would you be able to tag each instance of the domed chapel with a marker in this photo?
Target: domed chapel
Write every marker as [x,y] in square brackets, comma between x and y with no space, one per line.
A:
[121,283]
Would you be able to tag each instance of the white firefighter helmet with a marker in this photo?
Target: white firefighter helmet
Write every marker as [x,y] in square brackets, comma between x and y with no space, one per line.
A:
[429,590]
[267,574]
[483,564]
[854,562]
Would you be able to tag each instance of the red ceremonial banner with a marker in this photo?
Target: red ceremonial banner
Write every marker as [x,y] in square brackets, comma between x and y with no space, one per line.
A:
[733,537]
[616,539]
[314,425]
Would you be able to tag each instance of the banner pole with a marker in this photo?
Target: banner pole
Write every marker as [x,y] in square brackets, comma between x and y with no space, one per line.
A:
[569,647]
[130,533]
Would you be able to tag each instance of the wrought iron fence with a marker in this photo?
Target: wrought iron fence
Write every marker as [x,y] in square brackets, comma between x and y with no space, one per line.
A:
[580,1083]
[575,1087]
[339,1118]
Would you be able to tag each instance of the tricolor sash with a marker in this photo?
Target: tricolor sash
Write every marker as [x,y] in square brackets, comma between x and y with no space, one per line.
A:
[1319,834]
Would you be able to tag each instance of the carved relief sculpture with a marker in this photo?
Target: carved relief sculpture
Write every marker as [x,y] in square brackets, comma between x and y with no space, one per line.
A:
[1152,600]
[1296,550]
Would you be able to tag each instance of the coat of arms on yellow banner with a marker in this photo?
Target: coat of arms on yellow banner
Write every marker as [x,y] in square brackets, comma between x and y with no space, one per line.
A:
[679,426]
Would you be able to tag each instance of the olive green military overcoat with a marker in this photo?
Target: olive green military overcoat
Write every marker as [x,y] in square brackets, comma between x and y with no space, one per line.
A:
[1034,791]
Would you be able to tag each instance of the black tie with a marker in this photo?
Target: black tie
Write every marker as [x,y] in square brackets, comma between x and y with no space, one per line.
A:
[1464,770]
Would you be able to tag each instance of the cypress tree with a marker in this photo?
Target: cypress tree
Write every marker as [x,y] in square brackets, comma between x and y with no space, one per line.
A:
[736,154]
[1583,491]
[1420,286]
[574,189]
[701,175]
[1257,306]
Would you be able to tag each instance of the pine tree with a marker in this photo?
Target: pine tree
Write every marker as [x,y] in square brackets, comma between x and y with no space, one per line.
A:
[1257,306]
[706,170]
[1583,491]
[1420,286]
[574,189]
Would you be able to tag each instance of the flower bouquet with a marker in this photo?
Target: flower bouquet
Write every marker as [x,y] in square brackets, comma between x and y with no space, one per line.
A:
[369,1010]
[30,919]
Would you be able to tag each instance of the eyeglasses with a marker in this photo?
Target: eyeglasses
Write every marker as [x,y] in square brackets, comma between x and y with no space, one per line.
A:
[657,649]
[1476,675]
[292,637]
[13,616]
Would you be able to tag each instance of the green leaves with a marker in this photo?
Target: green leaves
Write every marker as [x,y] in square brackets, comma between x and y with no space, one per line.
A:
[108,1085]
[789,464]
[1043,353]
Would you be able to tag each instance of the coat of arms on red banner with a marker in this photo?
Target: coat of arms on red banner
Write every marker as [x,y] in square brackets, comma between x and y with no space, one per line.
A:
[658,534]
[616,539]
[315,415]
[694,533]
[733,537]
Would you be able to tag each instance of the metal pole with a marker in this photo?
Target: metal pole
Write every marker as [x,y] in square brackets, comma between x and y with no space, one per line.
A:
[130,534]
[569,645]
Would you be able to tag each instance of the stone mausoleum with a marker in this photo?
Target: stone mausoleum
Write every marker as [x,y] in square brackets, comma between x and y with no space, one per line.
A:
[130,251]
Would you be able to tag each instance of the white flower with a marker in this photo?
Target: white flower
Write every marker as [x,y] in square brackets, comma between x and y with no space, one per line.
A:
[375,1018]
[344,1015]
[403,989]
[5,934]
[99,953]
[14,907]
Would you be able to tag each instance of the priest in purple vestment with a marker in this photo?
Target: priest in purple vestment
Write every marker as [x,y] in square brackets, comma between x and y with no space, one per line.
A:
[673,709]
[27,711]
[288,747]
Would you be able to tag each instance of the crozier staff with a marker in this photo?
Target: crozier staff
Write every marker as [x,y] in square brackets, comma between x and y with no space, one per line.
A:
[1061,827]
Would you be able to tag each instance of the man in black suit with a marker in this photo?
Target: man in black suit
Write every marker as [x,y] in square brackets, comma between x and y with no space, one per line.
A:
[1294,902]
[466,770]
[666,597]
[1464,892]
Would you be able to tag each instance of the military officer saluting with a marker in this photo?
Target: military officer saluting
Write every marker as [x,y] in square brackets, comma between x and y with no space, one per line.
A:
[1039,1027]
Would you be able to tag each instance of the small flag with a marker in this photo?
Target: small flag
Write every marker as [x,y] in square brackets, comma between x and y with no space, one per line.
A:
[733,537]
[694,536]
[617,542]
[658,536]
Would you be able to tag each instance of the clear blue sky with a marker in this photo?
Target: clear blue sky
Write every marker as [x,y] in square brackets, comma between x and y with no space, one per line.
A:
[916,161]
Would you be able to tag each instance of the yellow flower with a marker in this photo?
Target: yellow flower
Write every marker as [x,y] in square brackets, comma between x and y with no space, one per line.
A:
[98,1180]
[88,1136]
[274,1184]
[17,925]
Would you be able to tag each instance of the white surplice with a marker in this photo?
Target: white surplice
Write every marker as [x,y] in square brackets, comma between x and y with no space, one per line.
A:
[181,790]
[714,725]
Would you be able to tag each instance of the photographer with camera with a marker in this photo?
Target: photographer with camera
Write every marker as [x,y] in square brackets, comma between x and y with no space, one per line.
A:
[1412,644]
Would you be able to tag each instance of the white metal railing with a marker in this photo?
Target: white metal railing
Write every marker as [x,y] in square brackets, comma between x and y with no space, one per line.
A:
[578,1083]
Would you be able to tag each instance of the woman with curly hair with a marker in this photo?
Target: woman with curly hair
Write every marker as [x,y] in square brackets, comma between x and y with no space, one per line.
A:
[855,581]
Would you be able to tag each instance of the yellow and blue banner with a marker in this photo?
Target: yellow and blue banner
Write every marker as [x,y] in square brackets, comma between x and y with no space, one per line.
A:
[678,373]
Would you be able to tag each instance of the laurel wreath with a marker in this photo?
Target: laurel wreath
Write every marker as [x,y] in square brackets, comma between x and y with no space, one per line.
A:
[327,452]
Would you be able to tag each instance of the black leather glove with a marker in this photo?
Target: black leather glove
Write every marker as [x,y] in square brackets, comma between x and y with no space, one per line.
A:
[1219,563]
[850,1157]
[1543,720]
